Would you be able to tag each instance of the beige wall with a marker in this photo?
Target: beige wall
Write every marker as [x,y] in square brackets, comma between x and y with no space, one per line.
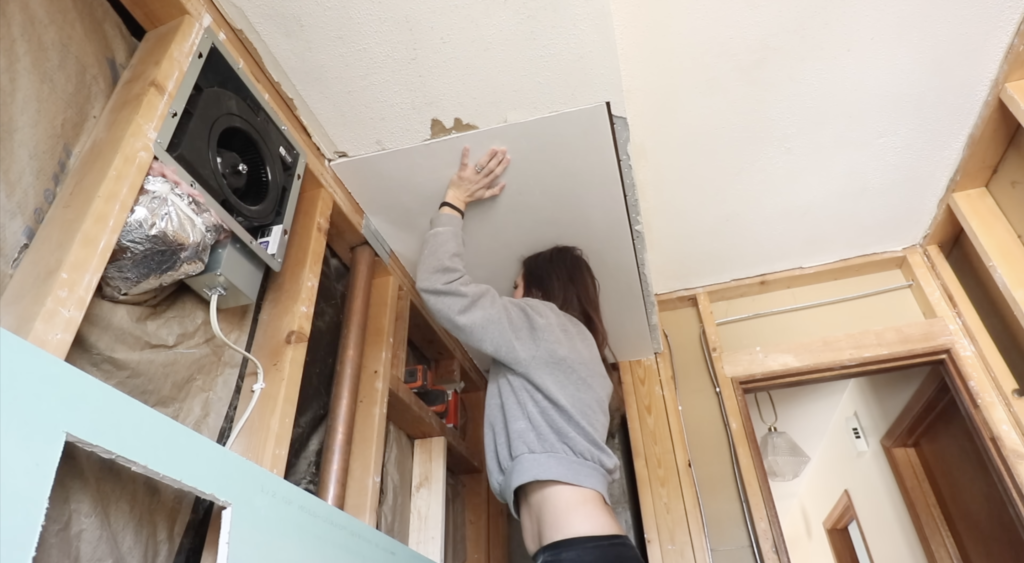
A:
[706,440]
[837,466]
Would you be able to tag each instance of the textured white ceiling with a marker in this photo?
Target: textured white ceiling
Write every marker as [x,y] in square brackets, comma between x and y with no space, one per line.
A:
[774,135]
[765,136]
[373,73]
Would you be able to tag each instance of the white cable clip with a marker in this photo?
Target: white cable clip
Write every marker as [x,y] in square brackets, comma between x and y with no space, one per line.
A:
[258,386]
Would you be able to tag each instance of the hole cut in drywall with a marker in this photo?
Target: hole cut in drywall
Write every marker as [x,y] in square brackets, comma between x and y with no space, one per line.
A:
[103,507]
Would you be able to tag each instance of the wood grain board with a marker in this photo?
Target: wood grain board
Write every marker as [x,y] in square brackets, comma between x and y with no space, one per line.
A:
[50,291]
[362,494]
[429,477]
[282,334]
[837,351]
[996,242]
[975,328]
[987,143]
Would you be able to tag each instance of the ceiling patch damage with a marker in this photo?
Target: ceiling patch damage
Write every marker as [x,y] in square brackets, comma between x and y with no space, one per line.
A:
[438,130]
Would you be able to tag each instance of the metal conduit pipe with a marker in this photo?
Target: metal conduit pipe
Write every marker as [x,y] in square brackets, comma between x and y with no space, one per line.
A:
[341,417]
[732,449]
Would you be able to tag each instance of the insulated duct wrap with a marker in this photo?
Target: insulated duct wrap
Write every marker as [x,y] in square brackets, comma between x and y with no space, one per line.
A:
[166,238]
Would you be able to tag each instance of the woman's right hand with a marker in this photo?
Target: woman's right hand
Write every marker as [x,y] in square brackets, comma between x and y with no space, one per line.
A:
[475,182]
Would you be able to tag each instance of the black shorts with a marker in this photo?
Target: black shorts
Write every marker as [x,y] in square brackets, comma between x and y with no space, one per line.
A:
[589,549]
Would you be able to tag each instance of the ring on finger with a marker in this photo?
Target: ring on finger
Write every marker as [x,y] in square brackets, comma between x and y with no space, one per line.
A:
[479,169]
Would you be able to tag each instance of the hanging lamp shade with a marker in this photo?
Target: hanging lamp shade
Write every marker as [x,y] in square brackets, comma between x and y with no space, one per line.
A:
[784,459]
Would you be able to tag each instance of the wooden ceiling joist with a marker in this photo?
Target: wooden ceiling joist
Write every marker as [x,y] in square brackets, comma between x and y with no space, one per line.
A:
[1012,95]
[985,147]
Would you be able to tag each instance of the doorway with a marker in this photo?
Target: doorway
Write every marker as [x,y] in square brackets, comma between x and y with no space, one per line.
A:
[897,472]
[952,490]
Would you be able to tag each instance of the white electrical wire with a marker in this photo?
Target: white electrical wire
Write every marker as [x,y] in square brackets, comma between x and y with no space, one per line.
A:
[256,388]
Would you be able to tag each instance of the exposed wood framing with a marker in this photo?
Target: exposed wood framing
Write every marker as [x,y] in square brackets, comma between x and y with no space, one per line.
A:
[477,510]
[831,352]
[152,15]
[940,339]
[48,296]
[447,372]
[1012,95]
[415,419]
[988,409]
[975,328]
[347,216]
[789,279]
[759,471]
[497,522]
[347,219]
[694,517]
[648,514]
[383,336]
[773,547]
[429,477]
[988,140]
[646,412]
[996,242]
[925,511]
[282,334]
[50,291]
[439,345]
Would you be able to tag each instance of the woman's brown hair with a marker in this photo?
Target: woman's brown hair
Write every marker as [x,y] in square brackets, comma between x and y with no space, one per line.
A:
[561,275]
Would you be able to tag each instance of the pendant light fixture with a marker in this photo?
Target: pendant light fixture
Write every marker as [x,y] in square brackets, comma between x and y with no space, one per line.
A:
[784,459]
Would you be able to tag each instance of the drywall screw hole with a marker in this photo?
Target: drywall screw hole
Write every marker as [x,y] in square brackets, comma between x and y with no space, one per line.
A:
[200,56]
[298,176]
[1017,393]
[174,113]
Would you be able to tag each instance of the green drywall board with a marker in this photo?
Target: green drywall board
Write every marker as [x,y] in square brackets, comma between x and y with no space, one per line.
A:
[45,402]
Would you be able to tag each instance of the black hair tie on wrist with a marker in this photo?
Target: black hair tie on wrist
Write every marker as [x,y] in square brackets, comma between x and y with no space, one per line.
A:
[453,206]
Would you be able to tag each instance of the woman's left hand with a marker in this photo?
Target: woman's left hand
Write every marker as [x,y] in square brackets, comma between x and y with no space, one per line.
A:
[473,183]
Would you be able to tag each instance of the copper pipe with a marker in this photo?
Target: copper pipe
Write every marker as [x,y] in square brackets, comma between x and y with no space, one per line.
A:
[341,417]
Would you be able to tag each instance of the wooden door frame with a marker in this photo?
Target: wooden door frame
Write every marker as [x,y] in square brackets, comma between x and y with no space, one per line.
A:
[931,526]
[938,340]
[899,445]
[953,376]
[837,524]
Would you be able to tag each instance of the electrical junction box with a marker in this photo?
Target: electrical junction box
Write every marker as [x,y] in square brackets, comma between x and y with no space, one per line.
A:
[860,442]
[235,270]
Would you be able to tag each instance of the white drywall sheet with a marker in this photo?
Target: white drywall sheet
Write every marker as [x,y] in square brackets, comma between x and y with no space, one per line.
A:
[563,188]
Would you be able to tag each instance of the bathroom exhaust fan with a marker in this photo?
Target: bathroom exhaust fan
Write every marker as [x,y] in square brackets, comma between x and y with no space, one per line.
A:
[230,146]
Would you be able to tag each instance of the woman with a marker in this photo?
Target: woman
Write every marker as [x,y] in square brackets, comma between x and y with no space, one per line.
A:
[548,390]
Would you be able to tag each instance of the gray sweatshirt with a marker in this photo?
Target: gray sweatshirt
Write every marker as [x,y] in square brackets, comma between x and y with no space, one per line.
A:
[546,413]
